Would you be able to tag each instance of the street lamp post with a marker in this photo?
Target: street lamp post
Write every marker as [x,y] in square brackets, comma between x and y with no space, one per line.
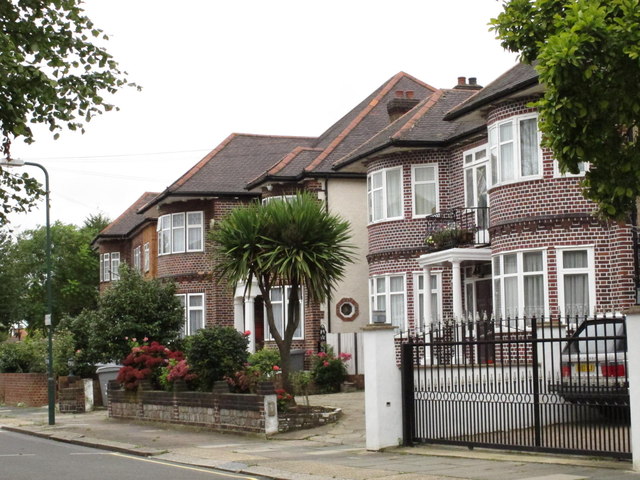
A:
[51,386]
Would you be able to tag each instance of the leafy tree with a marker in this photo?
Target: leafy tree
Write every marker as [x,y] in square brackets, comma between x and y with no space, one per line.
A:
[74,267]
[587,55]
[131,308]
[11,284]
[296,244]
[51,73]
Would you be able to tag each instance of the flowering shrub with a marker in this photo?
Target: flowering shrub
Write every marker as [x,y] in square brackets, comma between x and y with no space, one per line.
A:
[285,400]
[262,366]
[448,238]
[327,370]
[176,370]
[145,362]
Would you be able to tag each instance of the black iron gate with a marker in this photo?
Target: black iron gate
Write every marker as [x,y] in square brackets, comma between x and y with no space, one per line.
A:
[549,385]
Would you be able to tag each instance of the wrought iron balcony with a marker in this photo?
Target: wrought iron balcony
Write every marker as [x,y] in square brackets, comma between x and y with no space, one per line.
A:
[458,227]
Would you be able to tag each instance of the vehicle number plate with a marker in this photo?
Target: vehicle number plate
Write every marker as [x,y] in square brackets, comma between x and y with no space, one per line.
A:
[586,367]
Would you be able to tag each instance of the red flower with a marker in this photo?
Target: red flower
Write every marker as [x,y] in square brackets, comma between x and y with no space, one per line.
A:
[247,333]
[325,363]
[276,368]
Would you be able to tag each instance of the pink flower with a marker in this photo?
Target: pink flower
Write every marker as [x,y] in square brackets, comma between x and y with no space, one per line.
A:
[309,353]
[322,355]
[276,368]
[134,339]
[247,333]
[78,351]
[325,363]
[126,338]
[345,356]
[145,339]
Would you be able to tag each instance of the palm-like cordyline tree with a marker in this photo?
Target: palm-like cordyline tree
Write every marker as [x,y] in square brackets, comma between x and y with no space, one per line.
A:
[297,244]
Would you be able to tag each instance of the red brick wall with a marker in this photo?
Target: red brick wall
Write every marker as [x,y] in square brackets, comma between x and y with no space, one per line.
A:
[29,389]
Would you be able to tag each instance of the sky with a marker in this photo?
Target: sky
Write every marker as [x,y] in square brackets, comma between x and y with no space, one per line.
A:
[209,68]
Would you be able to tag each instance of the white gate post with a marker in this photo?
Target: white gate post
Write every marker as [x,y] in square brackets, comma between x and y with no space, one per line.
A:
[633,366]
[383,388]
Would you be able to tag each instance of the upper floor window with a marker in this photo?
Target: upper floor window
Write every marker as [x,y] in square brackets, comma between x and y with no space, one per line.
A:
[582,169]
[137,258]
[147,253]
[424,184]
[110,267]
[519,285]
[286,198]
[384,194]
[514,146]
[180,232]
[388,294]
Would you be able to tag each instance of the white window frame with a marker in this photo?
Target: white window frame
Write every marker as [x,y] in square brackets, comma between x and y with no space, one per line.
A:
[137,258]
[185,299]
[418,293]
[590,270]
[282,322]
[375,296]
[115,266]
[519,275]
[558,174]
[384,214]
[495,142]
[167,232]
[147,257]
[105,267]
[286,198]
[415,183]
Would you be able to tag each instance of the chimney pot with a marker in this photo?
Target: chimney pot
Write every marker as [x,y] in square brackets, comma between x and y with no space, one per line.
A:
[462,80]
[399,93]
[473,81]
[409,93]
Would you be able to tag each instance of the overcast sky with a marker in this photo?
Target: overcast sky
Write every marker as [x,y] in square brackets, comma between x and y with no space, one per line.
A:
[209,68]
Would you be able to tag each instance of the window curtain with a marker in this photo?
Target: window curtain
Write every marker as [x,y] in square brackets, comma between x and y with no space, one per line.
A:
[529,146]
[196,313]
[533,284]
[394,193]
[507,167]
[396,299]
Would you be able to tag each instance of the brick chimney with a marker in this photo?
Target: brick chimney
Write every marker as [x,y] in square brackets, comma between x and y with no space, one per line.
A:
[463,85]
[401,104]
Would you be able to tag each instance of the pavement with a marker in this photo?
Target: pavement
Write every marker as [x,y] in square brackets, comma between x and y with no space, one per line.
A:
[335,451]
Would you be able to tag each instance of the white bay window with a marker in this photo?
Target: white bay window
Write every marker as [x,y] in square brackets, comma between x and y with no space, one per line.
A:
[576,281]
[424,183]
[193,305]
[519,284]
[388,294]
[180,232]
[281,312]
[514,146]
[384,194]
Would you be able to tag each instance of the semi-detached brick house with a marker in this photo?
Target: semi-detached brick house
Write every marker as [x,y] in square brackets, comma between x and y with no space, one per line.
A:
[519,237]
[244,168]
[410,167]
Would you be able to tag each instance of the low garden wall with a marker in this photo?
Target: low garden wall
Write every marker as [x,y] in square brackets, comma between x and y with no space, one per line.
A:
[28,389]
[229,412]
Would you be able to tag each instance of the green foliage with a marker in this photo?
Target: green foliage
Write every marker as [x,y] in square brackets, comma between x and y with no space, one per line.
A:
[131,308]
[329,371]
[23,272]
[52,74]
[29,356]
[215,353]
[263,361]
[295,243]
[301,382]
[587,54]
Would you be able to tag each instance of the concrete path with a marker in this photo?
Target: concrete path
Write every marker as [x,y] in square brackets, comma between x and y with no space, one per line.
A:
[334,451]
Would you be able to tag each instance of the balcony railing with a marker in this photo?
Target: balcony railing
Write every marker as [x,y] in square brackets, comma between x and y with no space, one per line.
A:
[458,227]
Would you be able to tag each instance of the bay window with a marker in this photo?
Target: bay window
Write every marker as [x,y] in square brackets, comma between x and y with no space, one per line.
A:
[424,184]
[514,147]
[387,294]
[115,266]
[519,284]
[384,194]
[147,255]
[281,312]
[576,281]
[434,291]
[137,258]
[193,305]
[180,232]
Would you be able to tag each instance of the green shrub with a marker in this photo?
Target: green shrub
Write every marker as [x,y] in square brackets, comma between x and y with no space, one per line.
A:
[263,361]
[29,355]
[329,371]
[215,353]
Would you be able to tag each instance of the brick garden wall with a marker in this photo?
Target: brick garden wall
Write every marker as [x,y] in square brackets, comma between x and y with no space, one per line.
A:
[227,412]
[29,389]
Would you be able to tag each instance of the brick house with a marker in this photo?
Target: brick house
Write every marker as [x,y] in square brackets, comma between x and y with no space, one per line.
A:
[244,168]
[469,216]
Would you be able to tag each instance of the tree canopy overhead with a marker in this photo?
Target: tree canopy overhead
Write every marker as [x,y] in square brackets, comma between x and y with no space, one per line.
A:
[50,73]
[587,55]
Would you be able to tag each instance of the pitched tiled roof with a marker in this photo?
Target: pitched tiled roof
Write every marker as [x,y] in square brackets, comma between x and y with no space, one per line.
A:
[229,167]
[422,126]
[356,127]
[131,219]
[518,78]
